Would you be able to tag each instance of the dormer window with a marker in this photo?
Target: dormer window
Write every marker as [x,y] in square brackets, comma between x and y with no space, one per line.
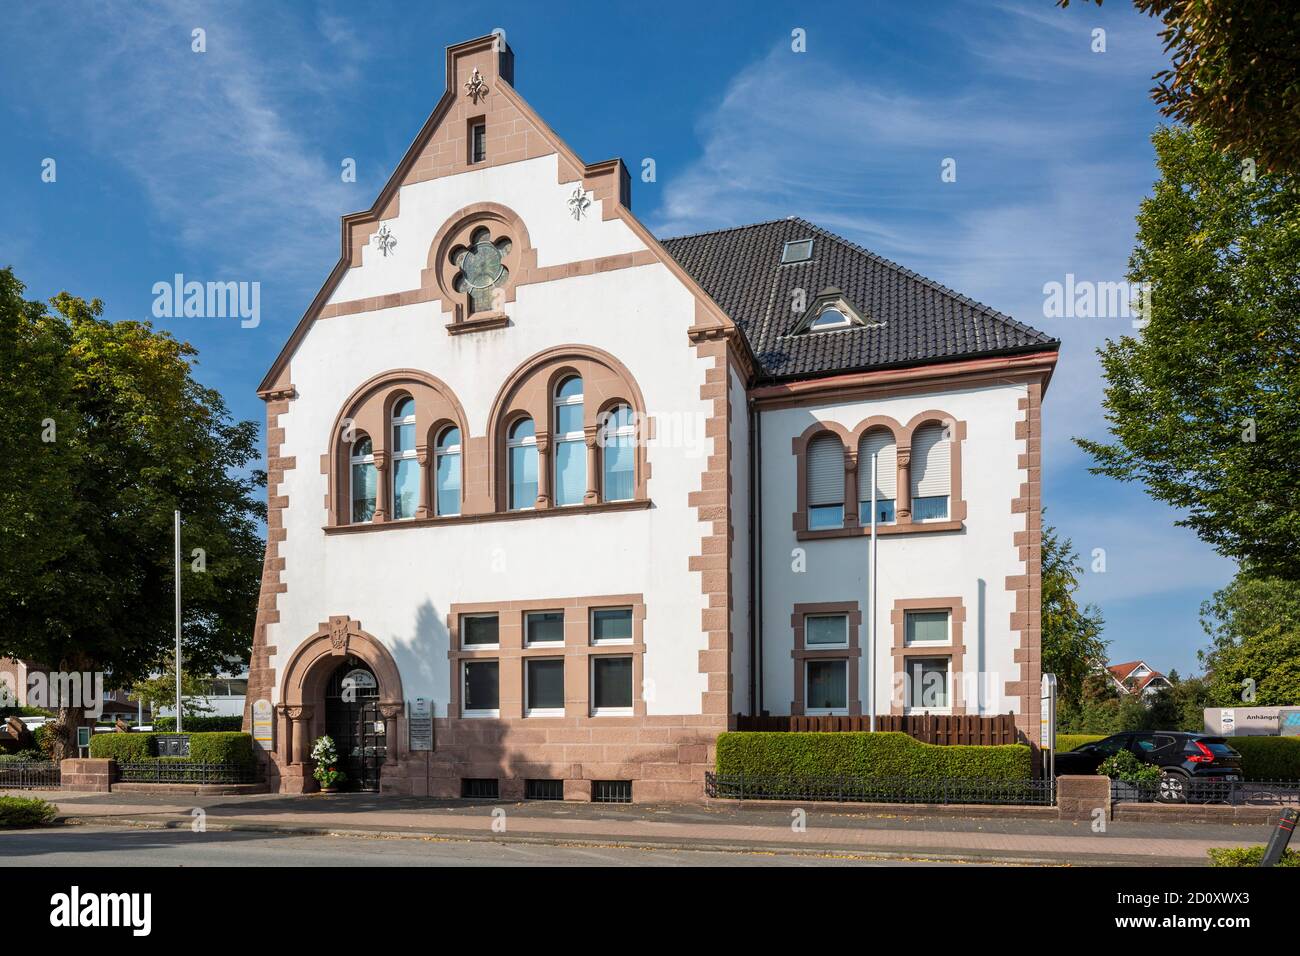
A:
[800,250]
[829,318]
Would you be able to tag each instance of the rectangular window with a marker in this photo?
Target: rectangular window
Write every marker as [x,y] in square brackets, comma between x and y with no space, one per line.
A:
[364,486]
[800,250]
[544,687]
[544,627]
[828,687]
[448,482]
[928,683]
[884,512]
[619,468]
[570,471]
[479,630]
[406,488]
[825,516]
[478,142]
[932,508]
[926,627]
[611,686]
[523,477]
[482,689]
[611,626]
[826,630]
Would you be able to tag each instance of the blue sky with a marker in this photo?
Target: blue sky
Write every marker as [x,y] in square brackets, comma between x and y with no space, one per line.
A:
[225,166]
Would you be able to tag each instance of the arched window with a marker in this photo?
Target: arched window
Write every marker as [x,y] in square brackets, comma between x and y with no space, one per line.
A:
[406,466]
[618,450]
[931,472]
[570,449]
[362,459]
[521,446]
[877,443]
[829,319]
[447,470]
[825,483]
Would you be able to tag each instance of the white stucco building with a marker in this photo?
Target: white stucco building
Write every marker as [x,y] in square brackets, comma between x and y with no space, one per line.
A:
[580,494]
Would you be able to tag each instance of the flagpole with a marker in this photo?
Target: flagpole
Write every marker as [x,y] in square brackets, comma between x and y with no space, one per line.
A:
[178,621]
[871,604]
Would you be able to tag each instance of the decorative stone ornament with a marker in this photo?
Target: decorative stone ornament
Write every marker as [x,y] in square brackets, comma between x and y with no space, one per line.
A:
[385,240]
[579,203]
[475,86]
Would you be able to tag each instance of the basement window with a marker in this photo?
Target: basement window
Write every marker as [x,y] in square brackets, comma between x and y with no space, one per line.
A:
[800,250]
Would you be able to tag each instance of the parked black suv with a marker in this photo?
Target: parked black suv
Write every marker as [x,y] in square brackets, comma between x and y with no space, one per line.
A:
[1185,760]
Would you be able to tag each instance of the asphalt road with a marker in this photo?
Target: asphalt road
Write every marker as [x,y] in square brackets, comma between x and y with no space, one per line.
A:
[120,846]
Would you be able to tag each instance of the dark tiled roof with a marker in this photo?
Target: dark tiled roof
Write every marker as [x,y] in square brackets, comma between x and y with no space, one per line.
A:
[911,320]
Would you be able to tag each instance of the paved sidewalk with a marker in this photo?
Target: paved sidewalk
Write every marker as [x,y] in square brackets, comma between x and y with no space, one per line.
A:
[752,827]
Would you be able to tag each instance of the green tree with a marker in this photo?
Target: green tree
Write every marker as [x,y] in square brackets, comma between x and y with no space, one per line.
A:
[1204,406]
[1254,630]
[159,689]
[86,509]
[1072,646]
[1235,71]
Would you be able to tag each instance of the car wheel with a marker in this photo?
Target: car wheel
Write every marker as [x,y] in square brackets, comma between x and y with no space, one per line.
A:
[1173,788]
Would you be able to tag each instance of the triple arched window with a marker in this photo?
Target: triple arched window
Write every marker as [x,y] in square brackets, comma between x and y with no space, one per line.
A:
[917,470]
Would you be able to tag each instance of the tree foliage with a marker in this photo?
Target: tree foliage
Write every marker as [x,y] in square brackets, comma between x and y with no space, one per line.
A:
[1072,646]
[1254,630]
[1235,70]
[103,433]
[1204,406]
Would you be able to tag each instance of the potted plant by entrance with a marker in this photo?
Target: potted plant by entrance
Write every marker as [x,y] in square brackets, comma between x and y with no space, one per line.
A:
[327,773]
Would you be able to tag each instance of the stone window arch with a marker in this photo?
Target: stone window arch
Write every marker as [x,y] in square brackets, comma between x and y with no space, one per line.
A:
[930,445]
[369,413]
[479,256]
[530,391]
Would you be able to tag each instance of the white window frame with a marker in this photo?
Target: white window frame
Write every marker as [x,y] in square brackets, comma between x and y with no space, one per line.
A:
[946,642]
[395,422]
[353,460]
[439,454]
[480,647]
[591,688]
[826,647]
[785,251]
[947,691]
[817,325]
[608,434]
[539,711]
[826,711]
[610,641]
[529,642]
[578,437]
[528,442]
[479,714]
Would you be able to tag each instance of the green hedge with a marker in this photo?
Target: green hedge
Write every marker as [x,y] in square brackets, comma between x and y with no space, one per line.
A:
[201,724]
[222,747]
[1268,758]
[864,755]
[25,812]
[1066,742]
[1248,856]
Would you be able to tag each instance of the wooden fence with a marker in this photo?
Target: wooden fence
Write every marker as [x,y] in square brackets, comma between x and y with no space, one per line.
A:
[929,728]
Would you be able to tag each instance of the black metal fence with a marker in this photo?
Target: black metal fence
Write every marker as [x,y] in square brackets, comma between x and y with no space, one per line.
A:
[1234,793]
[184,771]
[29,775]
[967,790]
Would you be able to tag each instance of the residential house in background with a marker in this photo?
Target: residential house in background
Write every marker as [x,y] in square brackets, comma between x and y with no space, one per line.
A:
[1136,678]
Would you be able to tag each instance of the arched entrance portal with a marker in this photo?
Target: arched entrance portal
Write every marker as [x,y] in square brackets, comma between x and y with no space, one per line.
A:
[353,719]
[365,715]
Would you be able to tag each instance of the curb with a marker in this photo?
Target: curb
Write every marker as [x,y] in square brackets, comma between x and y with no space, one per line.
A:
[818,850]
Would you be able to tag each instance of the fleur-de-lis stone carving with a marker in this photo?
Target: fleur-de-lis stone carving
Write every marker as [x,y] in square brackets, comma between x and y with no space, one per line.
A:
[475,86]
[579,203]
[385,240]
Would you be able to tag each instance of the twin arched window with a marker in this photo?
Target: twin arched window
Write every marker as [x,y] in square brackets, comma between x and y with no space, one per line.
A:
[521,450]
[618,447]
[931,472]
[364,485]
[878,445]
[447,471]
[406,465]
[825,483]
[570,448]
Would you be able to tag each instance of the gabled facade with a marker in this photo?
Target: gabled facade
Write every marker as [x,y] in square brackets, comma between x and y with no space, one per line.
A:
[551,499]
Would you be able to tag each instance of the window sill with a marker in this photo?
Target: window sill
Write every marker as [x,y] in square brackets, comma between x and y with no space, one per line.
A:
[864,531]
[479,322]
[601,508]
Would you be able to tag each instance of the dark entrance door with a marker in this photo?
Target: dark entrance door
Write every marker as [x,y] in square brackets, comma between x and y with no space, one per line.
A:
[353,719]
